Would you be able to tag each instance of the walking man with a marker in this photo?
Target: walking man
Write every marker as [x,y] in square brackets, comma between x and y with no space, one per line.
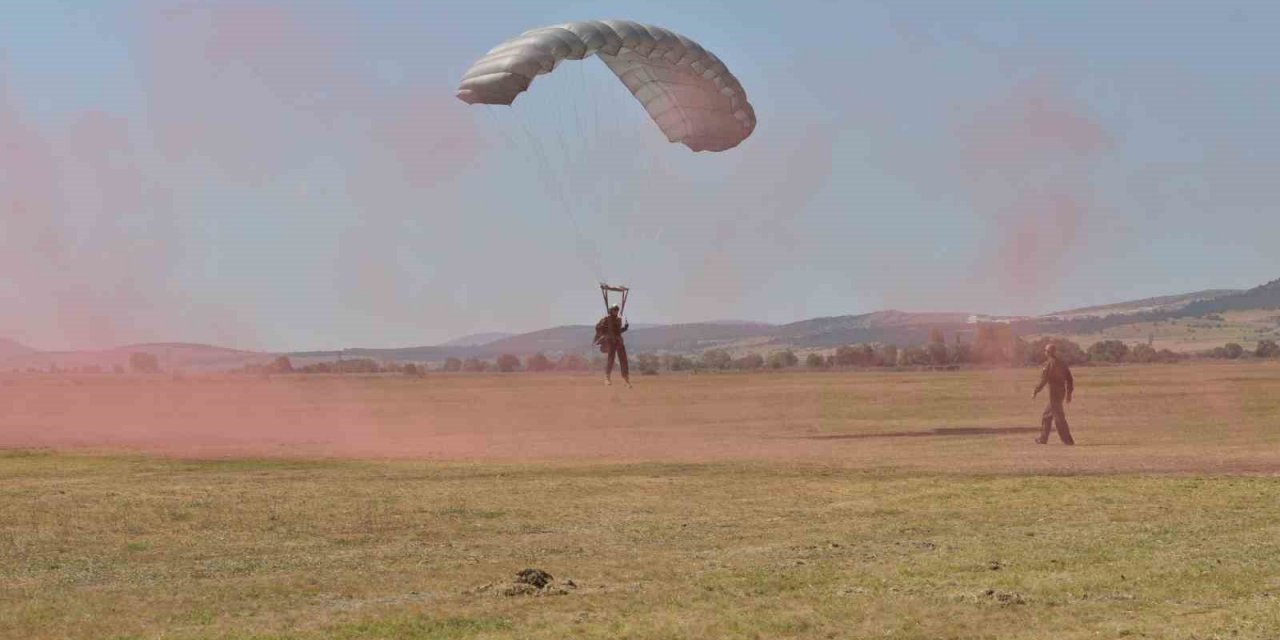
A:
[1057,376]
[609,336]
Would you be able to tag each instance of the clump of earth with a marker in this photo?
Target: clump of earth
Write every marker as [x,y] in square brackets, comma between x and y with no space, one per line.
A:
[1004,597]
[530,582]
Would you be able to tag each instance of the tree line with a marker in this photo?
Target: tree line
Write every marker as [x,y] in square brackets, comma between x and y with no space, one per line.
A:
[994,345]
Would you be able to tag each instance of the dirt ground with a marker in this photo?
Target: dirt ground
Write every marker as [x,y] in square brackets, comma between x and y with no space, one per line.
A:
[1202,418]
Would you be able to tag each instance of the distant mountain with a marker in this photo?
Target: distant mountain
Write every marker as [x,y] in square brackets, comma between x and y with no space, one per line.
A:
[11,349]
[1263,297]
[1162,303]
[896,327]
[172,356]
[875,320]
[401,354]
[881,326]
[696,337]
[569,338]
[476,339]
[1266,296]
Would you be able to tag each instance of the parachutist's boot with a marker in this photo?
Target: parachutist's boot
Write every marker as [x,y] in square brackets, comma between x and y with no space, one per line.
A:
[628,381]
[608,382]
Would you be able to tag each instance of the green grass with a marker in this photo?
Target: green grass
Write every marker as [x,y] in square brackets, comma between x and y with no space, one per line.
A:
[99,547]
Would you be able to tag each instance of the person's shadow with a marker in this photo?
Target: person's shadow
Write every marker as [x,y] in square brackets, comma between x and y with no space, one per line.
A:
[931,433]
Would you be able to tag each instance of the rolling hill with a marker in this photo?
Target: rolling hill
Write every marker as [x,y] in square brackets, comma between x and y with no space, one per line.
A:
[1183,321]
[881,326]
[1162,303]
[476,339]
[11,349]
[1261,298]
[180,356]
[1265,296]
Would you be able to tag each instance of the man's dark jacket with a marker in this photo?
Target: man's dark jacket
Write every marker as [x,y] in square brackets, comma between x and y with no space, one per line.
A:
[609,332]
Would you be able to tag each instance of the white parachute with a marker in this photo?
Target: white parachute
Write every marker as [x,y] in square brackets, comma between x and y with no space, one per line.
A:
[687,91]
[588,143]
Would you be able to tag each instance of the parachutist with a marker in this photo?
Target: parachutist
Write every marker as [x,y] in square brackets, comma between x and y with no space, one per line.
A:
[609,338]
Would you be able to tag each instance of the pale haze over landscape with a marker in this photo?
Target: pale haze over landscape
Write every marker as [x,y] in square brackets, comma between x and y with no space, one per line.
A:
[962,322]
[299,175]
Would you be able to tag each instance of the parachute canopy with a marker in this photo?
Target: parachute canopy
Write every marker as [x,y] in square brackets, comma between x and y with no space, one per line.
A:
[689,93]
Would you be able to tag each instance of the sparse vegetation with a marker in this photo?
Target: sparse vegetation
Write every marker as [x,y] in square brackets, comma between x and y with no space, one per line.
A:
[678,362]
[281,364]
[913,357]
[538,362]
[508,363]
[142,363]
[783,359]
[475,365]
[749,362]
[1267,349]
[716,359]
[862,355]
[343,550]
[1108,351]
[571,362]
[648,364]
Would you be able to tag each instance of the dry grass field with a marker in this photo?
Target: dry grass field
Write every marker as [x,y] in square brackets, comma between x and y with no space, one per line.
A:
[798,505]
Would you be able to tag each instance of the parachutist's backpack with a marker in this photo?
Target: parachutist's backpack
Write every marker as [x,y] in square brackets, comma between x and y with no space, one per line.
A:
[604,339]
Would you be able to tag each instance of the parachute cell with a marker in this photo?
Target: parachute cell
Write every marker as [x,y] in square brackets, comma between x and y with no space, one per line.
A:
[687,91]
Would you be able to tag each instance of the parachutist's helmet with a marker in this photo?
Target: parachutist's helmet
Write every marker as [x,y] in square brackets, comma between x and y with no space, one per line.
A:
[614,309]
[1051,349]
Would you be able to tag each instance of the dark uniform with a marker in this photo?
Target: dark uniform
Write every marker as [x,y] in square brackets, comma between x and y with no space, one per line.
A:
[609,336]
[1057,376]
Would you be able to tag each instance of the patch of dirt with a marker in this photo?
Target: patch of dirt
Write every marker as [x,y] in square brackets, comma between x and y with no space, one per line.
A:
[529,582]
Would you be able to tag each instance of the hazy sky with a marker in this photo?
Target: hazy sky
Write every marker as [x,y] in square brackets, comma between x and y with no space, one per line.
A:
[298,175]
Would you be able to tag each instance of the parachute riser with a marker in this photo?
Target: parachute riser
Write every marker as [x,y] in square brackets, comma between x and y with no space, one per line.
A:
[604,292]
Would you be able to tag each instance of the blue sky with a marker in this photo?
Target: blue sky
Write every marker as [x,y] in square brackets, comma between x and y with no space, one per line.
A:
[297,175]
